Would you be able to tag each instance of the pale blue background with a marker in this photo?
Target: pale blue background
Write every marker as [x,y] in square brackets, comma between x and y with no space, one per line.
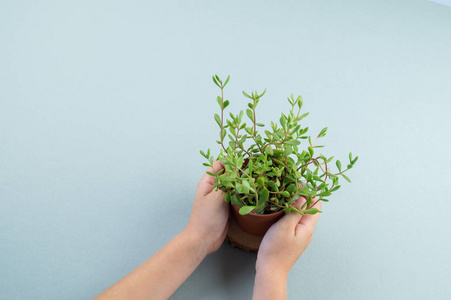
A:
[104,106]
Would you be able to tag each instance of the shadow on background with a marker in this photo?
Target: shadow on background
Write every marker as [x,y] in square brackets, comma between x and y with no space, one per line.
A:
[229,268]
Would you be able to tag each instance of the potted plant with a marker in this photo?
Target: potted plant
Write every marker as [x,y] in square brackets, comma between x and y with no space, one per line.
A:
[266,171]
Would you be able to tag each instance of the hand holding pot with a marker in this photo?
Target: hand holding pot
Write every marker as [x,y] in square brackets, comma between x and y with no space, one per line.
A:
[281,247]
[210,213]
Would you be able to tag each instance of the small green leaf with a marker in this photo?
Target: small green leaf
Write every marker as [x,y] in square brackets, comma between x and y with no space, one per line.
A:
[239,188]
[311,211]
[283,122]
[350,156]
[338,165]
[250,114]
[291,188]
[263,196]
[218,119]
[214,80]
[310,150]
[219,100]
[226,103]
[260,124]
[335,188]
[246,187]
[297,210]
[293,142]
[302,117]
[261,181]
[346,177]
[236,201]
[227,197]
[246,95]
[203,153]
[246,209]
[285,194]
[227,80]
[323,132]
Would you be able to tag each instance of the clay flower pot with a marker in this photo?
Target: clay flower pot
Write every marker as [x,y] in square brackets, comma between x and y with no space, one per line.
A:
[255,224]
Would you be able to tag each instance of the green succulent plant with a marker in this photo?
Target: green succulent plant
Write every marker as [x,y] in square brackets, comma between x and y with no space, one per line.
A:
[265,174]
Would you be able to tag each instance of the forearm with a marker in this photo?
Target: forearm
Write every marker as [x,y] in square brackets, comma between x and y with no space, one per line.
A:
[271,285]
[163,273]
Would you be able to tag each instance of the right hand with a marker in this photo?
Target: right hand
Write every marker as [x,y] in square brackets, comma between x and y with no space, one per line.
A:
[286,240]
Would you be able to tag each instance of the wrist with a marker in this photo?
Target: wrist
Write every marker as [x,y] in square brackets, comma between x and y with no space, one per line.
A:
[272,270]
[197,241]
[270,284]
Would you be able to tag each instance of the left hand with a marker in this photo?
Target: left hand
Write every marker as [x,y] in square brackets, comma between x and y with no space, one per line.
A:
[209,214]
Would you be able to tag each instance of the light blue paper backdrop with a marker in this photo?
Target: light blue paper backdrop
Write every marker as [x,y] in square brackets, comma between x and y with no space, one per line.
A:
[104,106]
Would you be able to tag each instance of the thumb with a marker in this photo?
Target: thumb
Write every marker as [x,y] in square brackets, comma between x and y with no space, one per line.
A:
[205,185]
[293,218]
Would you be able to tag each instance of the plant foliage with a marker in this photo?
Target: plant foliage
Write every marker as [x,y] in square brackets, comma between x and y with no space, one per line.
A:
[271,172]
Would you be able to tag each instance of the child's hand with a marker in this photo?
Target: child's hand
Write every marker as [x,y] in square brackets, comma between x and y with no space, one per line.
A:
[286,240]
[209,215]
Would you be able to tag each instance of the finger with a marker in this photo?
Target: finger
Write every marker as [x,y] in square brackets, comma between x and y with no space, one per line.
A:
[308,222]
[293,218]
[205,185]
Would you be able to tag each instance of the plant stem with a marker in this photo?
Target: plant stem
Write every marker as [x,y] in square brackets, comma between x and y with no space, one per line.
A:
[253,185]
[222,118]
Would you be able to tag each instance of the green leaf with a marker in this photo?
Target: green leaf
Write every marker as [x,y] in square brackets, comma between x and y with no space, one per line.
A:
[250,114]
[291,188]
[239,188]
[338,165]
[246,95]
[226,103]
[302,117]
[346,177]
[227,197]
[227,80]
[210,173]
[293,142]
[261,181]
[335,188]
[310,150]
[323,132]
[219,100]
[285,194]
[236,201]
[260,124]
[297,210]
[246,187]
[350,156]
[203,153]
[246,209]
[263,196]
[283,122]
[214,80]
[311,211]
[300,101]
[218,119]
[324,194]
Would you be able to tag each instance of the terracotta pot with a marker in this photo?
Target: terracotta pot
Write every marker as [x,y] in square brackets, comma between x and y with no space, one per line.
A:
[254,223]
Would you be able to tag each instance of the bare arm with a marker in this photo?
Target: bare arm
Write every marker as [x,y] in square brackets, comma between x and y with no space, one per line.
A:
[161,275]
